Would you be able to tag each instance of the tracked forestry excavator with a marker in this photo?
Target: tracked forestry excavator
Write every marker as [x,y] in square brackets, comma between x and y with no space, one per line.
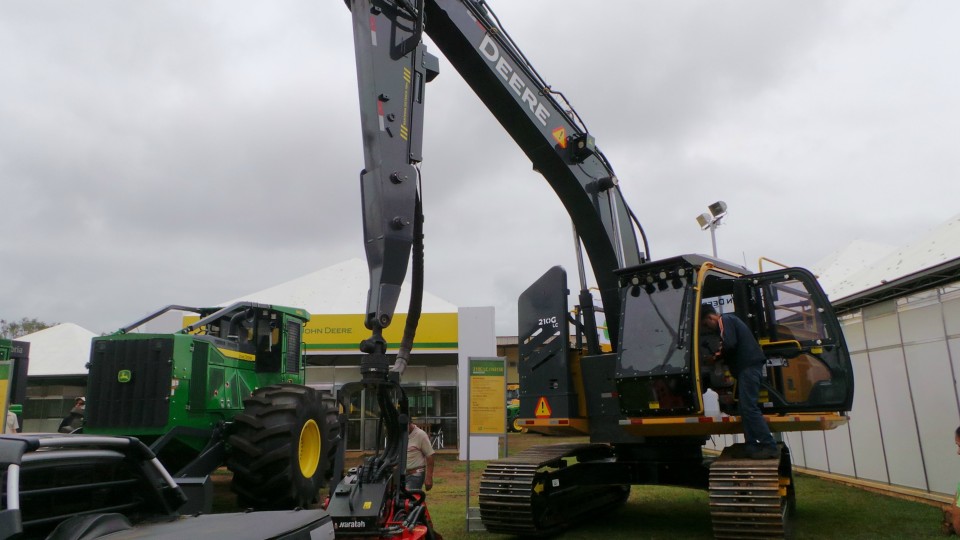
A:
[642,404]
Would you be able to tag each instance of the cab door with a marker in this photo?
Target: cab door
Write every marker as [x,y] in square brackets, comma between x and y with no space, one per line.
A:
[808,365]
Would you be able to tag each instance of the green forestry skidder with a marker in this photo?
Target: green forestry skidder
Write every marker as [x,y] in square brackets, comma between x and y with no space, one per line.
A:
[229,389]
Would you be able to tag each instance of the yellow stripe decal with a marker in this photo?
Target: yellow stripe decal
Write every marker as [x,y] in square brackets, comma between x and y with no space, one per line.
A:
[237,355]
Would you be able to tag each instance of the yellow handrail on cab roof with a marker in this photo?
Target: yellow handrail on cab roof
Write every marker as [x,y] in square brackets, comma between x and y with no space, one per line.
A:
[760,263]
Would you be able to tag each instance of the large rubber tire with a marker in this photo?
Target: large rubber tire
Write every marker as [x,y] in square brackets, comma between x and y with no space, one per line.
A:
[283,447]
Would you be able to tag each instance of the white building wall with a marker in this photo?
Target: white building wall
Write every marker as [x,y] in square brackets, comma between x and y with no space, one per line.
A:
[906,357]
[906,406]
[864,427]
[839,451]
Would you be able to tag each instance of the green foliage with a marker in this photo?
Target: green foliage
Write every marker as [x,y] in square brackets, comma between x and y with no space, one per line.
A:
[15,329]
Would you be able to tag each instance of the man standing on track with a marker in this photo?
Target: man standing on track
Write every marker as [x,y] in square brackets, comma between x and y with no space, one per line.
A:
[745,358]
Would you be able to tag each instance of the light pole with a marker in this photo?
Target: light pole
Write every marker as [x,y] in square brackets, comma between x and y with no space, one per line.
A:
[712,221]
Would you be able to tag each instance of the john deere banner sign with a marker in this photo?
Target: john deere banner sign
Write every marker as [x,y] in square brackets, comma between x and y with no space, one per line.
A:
[488,396]
[436,331]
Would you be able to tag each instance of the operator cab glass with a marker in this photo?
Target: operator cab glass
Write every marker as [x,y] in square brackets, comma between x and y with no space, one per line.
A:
[654,365]
[256,334]
[808,367]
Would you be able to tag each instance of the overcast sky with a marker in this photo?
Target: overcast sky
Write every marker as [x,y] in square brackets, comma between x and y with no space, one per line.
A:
[182,152]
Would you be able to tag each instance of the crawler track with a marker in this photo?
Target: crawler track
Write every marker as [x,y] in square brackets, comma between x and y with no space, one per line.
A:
[535,492]
[751,498]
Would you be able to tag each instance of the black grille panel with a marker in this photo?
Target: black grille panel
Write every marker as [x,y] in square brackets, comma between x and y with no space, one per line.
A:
[198,383]
[293,347]
[141,402]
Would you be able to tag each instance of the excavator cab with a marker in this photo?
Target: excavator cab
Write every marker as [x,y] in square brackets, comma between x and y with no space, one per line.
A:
[667,361]
[808,366]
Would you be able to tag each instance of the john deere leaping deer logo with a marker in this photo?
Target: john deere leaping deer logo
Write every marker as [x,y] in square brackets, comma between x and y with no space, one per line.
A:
[124,376]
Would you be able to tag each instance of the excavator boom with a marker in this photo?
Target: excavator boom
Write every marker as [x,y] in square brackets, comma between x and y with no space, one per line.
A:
[392,69]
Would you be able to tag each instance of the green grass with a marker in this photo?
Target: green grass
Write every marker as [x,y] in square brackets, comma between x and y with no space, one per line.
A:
[825,509]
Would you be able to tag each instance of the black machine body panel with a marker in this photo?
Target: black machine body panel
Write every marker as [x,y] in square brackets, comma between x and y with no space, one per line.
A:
[544,347]
[356,507]
[142,400]
[603,401]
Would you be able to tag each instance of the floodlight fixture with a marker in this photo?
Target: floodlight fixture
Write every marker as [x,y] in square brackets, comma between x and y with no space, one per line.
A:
[710,221]
[718,209]
[704,220]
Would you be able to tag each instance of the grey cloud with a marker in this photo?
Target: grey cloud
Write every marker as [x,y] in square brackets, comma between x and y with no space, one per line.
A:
[176,152]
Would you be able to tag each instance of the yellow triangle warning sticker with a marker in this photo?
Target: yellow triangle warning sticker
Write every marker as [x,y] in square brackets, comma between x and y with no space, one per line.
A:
[560,134]
[543,409]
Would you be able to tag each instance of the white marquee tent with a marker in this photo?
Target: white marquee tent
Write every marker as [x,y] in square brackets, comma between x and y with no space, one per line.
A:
[337,289]
[59,350]
[863,266]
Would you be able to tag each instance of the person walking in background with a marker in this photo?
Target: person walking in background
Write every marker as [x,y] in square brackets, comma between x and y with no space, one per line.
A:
[13,425]
[74,419]
[745,359]
[419,459]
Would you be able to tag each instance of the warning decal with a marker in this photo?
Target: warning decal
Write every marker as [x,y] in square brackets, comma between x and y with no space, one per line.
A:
[543,409]
[560,134]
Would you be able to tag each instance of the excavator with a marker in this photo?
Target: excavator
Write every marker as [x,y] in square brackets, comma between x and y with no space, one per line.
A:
[644,399]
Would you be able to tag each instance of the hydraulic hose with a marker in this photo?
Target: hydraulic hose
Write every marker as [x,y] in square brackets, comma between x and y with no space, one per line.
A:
[391,423]
[416,293]
[643,234]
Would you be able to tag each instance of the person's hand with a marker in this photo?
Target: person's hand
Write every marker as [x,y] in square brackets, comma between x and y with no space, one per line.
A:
[427,483]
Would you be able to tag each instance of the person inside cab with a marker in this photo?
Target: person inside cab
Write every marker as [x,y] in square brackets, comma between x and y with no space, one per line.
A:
[745,359]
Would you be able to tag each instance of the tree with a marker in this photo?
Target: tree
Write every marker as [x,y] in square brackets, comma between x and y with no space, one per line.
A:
[15,329]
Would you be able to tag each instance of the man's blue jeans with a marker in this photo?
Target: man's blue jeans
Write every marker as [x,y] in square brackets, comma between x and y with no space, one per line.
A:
[415,481]
[755,429]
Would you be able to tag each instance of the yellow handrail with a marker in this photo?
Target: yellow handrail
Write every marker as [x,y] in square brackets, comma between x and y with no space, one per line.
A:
[760,263]
[765,343]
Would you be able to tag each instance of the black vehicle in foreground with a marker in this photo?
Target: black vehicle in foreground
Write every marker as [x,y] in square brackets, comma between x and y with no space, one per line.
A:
[82,487]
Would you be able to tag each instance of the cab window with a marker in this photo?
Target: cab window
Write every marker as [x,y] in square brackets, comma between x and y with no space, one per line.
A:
[790,313]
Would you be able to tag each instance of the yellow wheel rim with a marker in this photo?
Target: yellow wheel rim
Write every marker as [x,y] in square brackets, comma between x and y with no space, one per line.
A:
[516,425]
[309,451]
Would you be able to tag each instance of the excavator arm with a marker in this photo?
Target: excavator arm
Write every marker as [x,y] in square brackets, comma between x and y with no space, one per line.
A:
[392,69]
